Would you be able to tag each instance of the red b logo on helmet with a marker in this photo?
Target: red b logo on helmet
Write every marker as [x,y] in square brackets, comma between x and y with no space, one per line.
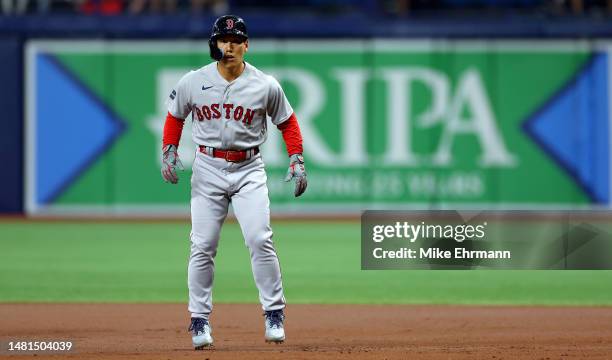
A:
[229,23]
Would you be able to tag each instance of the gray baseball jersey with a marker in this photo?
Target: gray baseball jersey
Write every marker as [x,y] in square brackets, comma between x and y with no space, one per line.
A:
[229,115]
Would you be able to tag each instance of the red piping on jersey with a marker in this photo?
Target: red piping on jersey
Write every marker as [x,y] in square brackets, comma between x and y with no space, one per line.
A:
[292,135]
[172,130]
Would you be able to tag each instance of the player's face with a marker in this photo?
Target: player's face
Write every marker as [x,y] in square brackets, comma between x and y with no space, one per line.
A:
[234,47]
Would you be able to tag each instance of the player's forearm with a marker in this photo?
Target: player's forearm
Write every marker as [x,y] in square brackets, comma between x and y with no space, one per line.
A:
[292,135]
[173,128]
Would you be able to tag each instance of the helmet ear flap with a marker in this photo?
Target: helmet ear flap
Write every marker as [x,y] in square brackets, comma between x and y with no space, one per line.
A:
[215,52]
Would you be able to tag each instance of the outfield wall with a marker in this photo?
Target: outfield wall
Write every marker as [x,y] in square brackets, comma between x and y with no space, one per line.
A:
[11,135]
[386,124]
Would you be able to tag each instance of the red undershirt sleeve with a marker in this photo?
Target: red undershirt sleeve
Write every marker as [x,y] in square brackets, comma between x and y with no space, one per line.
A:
[292,135]
[173,129]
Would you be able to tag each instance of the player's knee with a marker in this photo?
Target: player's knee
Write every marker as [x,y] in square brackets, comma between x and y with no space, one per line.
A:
[256,243]
[203,245]
[261,242]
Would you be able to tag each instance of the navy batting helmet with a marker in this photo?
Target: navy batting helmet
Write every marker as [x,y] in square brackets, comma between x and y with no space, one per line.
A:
[225,25]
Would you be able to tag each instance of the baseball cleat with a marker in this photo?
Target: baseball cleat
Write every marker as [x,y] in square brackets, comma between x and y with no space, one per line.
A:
[275,331]
[200,333]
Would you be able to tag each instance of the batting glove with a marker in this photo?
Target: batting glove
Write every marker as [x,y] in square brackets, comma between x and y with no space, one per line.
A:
[297,171]
[170,161]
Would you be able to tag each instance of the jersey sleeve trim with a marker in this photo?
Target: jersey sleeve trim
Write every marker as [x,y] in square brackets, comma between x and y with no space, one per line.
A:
[285,119]
[170,113]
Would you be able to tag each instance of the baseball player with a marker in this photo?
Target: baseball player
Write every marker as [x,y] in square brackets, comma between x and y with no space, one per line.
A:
[229,101]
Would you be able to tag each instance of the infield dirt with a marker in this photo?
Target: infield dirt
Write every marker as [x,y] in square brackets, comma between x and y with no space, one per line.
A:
[159,331]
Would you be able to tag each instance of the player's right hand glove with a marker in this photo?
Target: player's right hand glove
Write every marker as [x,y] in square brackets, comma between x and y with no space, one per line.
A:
[297,171]
[170,161]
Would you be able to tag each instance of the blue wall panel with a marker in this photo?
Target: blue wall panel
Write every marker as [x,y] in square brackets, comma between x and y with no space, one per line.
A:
[11,131]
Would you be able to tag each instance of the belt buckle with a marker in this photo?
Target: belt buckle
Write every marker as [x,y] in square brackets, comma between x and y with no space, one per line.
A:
[232,152]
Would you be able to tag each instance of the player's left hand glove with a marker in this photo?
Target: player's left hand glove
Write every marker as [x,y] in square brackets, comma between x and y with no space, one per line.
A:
[170,161]
[297,171]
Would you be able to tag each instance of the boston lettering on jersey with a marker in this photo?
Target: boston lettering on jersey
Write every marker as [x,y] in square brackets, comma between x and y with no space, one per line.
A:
[227,111]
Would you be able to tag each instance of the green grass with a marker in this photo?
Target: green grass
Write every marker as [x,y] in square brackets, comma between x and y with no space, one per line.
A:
[147,262]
